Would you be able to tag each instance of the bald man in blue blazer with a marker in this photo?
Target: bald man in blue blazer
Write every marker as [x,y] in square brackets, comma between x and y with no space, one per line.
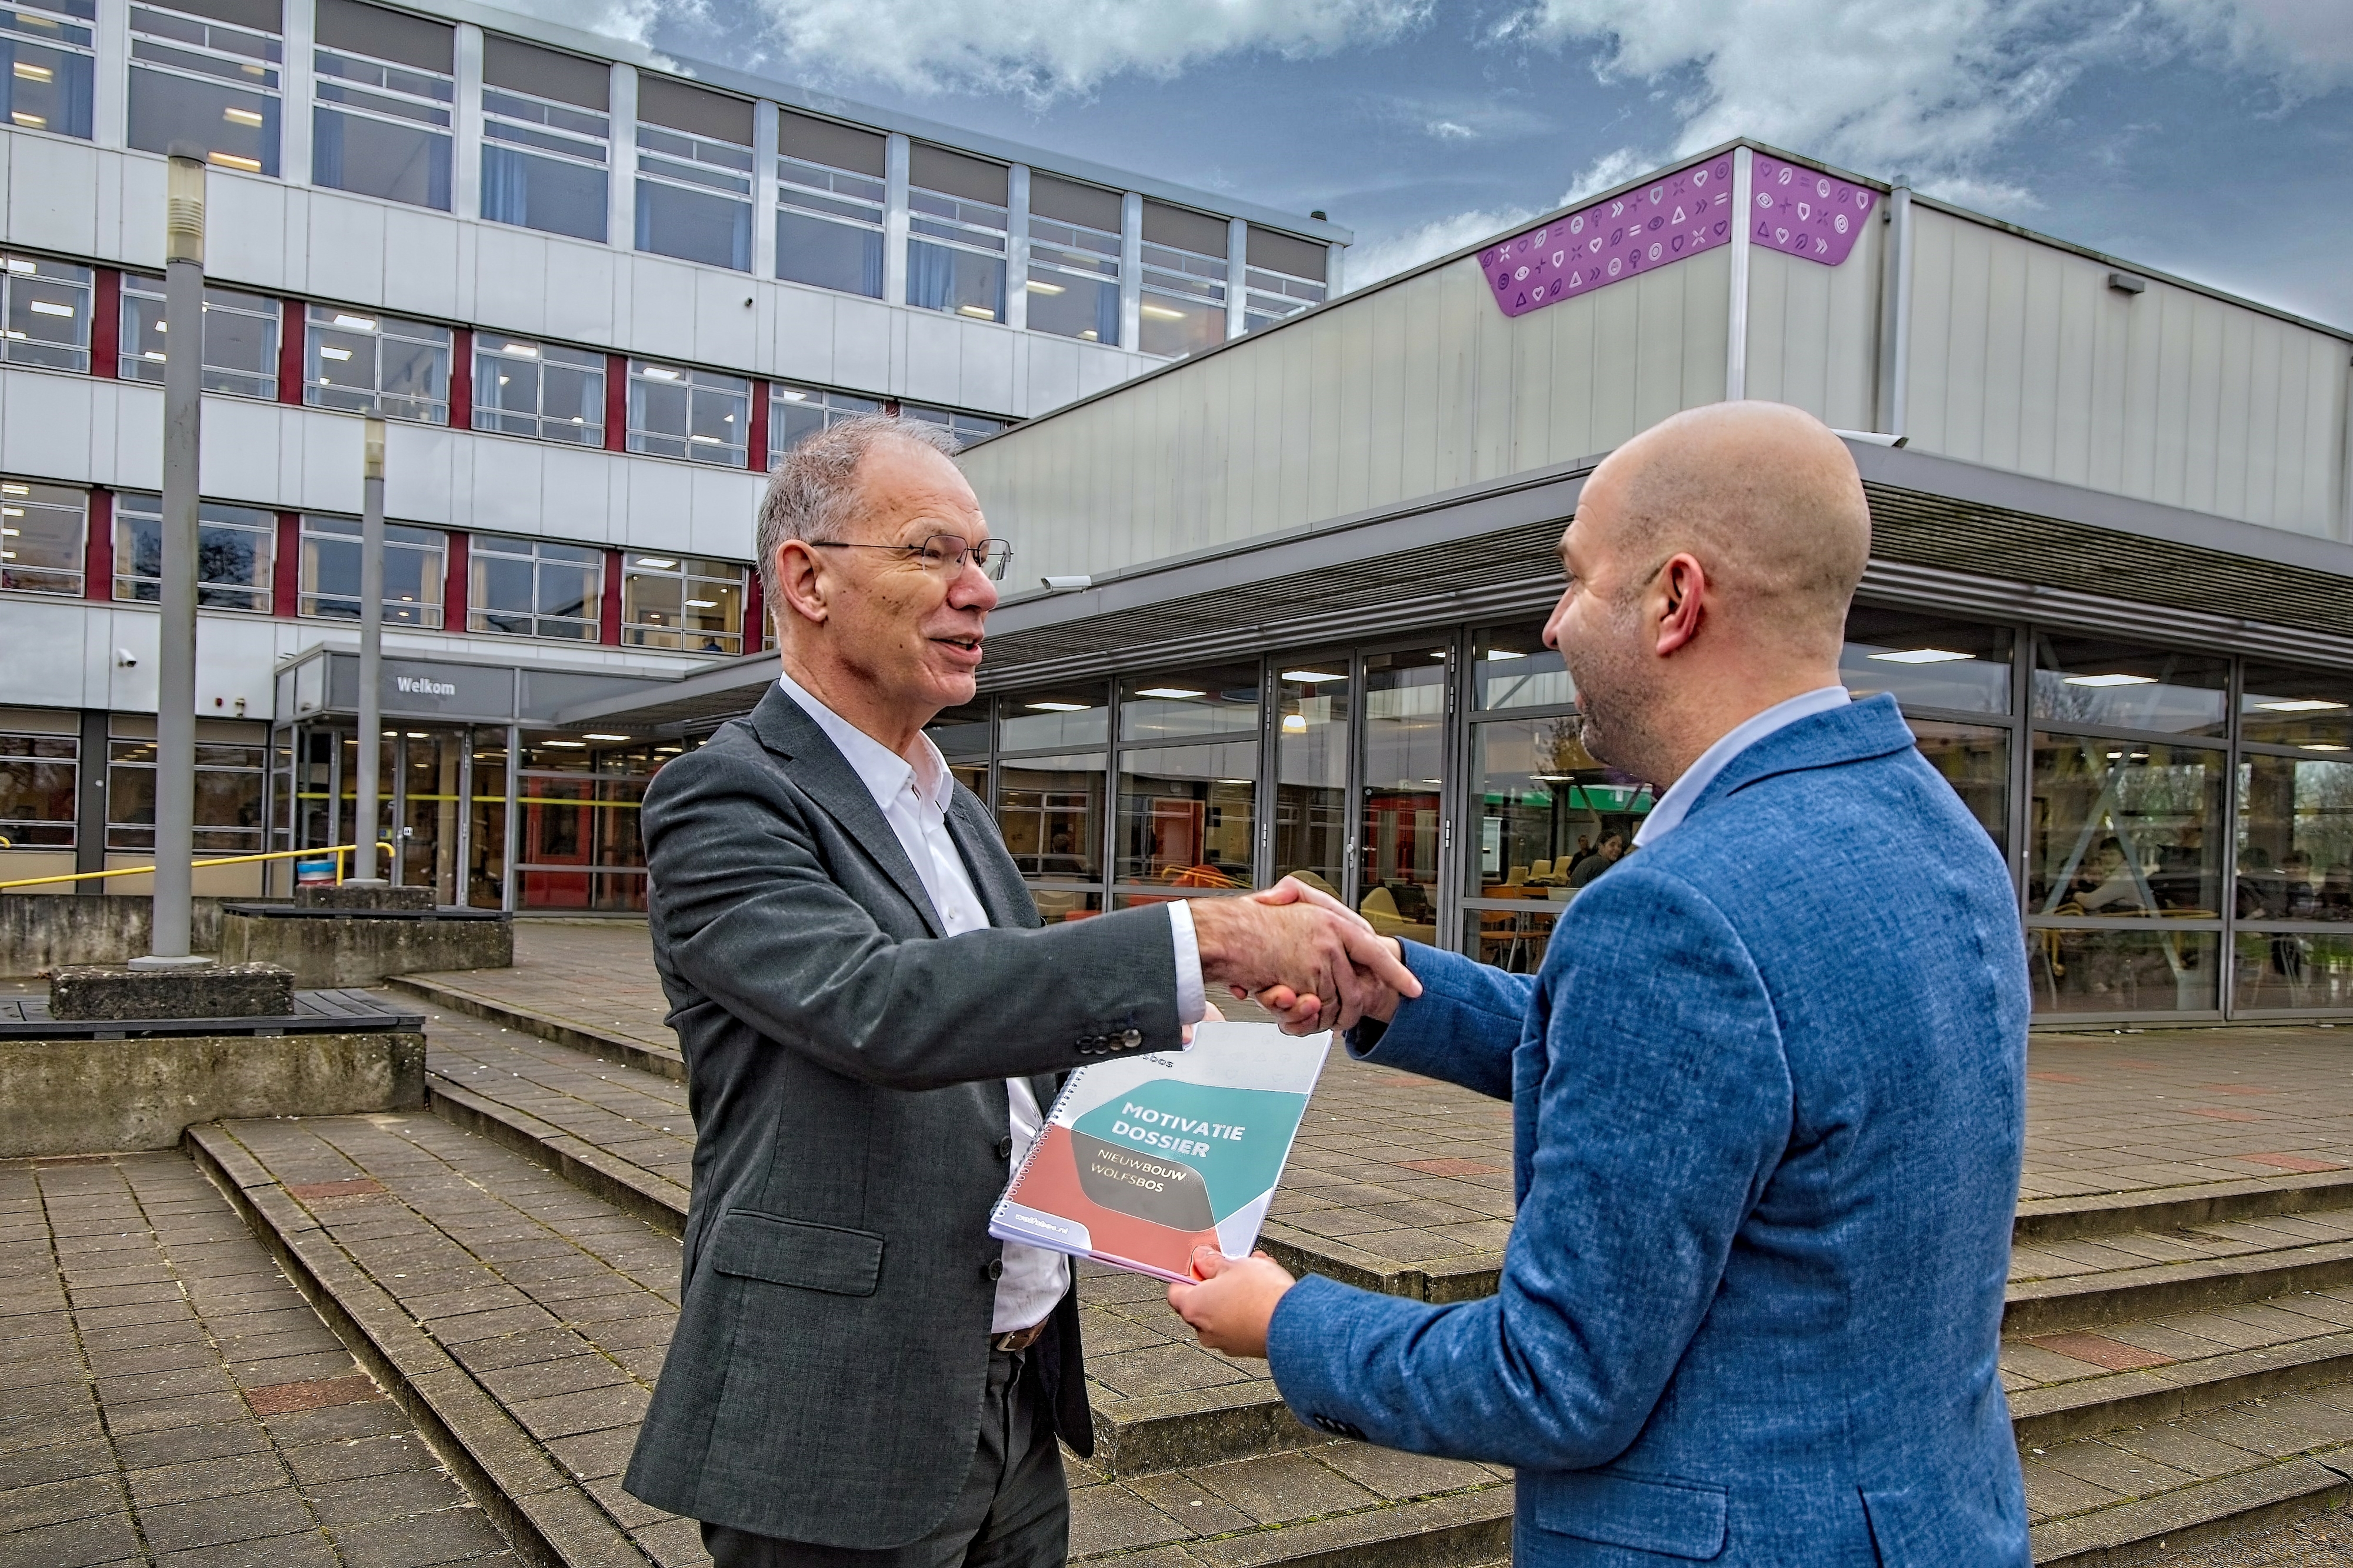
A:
[1768,1087]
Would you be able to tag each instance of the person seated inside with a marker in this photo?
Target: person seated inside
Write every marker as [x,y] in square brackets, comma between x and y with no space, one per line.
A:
[2299,896]
[2335,899]
[1613,844]
[2106,882]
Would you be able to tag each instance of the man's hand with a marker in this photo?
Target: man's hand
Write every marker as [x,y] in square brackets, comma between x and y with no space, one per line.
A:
[1299,1013]
[1251,944]
[1233,1306]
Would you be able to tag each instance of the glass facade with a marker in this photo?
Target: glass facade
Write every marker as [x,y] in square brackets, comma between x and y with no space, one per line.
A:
[673,602]
[703,416]
[363,362]
[204,80]
[797,413]
[46,66]
[533,588]
[541,390]
[46,307]
[37,788]
[694,174]
[240,338]
[235,547]
[2179,823]
[42,531]
[415,563]
[830,194]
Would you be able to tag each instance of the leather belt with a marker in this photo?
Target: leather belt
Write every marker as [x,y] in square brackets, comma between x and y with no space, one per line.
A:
[1019,1339]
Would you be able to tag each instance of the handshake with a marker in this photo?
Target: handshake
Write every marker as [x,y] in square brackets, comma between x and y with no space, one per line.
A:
[1307,958]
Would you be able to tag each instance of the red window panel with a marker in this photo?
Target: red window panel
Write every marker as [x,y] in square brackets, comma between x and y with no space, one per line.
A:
[98,548]
[286,572]
[106,324]
[461,378]
[453,585]
[609,628]
[756,441]
[617,403]
[756,624]
[290,353]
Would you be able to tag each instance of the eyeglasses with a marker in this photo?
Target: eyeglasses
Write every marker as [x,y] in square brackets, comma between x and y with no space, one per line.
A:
[940,552]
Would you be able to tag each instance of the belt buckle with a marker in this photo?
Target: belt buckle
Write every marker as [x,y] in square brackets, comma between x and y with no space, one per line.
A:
[1018,1340]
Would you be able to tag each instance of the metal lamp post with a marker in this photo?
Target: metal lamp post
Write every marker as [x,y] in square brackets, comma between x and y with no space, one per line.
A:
[176,662]
[371,741]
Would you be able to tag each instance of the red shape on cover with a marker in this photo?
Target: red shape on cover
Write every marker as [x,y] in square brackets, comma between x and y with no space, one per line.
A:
[1050,1183]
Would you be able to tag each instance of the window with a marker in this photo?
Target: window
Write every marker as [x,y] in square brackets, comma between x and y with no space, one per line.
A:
[1284,276]
[362,363]
[1311,769]
[207,71]
[39,778]
[968,427]
[532,588]
[240,338]
[2088,680]
[545,139]
[1187,777]
[236,546]
[1954,665]
[229,791]
[828,204]
[47,313]
[955,234]
[525,388]
[1074,244]
[797,413]
[2295,849]
[669,600]
[1053,792]
[1183,302]
[694,173]
[42,528]
[414,560]
[46,66]
[699,414]
[380,126]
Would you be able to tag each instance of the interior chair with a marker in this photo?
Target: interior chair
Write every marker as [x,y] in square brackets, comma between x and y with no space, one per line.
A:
[1379,908]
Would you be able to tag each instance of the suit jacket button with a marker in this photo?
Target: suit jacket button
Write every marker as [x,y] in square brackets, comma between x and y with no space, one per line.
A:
[1133,1039]
[1005,1148]
[993,1269]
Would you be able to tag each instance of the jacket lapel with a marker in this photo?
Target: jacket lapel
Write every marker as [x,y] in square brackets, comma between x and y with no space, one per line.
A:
[815,764]
[1003,894]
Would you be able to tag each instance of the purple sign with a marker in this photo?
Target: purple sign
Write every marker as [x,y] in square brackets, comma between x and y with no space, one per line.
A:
[1799,211]
[1675,215]
[1804,212]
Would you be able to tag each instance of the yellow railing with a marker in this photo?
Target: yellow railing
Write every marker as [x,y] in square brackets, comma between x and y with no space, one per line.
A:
[337,850]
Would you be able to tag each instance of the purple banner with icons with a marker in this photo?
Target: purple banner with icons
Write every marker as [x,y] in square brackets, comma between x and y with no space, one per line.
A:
[1804,211]
[1800,211]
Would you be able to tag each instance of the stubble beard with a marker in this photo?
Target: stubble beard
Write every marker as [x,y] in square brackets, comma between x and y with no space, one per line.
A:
[1614,698]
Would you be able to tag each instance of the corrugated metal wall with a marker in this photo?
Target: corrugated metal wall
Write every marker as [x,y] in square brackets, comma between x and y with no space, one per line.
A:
[2023,358]
[1404,391]
[1813,331]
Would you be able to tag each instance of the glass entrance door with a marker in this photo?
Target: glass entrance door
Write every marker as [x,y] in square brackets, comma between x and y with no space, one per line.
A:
[1403,791]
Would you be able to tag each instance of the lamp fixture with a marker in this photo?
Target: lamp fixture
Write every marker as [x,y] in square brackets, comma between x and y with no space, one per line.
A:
[2300,705]
[1494,654]
[591,734]
[1919,656]
[1310,677]
[656,561]
[357,323]
[2112,680]
[1171,691]
[1294,723]
[1058,707]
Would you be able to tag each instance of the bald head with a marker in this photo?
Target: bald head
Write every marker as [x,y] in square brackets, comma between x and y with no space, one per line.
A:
[1710,567]
[1763,494]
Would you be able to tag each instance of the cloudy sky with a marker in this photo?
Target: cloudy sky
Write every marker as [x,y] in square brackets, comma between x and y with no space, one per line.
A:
[2211,138]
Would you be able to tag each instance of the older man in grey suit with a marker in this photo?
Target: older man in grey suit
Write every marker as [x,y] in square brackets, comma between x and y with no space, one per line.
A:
[873,1018]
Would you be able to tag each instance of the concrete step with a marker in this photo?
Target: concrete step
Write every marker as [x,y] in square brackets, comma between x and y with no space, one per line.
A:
[609,1042]
[527,1319]
[2118,1278]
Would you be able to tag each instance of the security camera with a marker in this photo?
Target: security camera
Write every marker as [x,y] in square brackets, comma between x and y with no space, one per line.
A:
[125,657]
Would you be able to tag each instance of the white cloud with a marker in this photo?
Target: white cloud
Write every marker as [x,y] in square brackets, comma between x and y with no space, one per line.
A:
[1045,49]
[2306,46]
[1448,131]
[633,20]
[1385,256]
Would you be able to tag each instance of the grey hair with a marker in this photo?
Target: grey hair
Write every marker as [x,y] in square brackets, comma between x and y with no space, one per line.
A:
[812,491]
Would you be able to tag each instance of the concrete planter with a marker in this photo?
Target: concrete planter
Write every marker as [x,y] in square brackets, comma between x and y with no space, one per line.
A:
[43,931]
[328,947]
[82,1096]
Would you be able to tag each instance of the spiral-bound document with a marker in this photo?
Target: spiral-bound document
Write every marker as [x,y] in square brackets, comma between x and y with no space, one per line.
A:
[1143,1159]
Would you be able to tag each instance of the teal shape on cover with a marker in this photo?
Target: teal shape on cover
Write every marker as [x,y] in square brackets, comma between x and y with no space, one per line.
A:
[1197,1125]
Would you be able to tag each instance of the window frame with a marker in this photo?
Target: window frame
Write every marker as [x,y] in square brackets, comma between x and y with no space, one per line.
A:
[13,830]
[196,53]
[493,349]
[698,384]
[259,594]
[959,226]
[486,548]
[787,398]
[1087,254]
[377,327]
[351,85]
[725,577]
[512,132]
[61,36]
[133,364]
[21,495]
[317,529]
[29,287]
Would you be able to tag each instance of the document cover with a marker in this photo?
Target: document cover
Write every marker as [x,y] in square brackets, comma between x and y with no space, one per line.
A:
[1143,1159]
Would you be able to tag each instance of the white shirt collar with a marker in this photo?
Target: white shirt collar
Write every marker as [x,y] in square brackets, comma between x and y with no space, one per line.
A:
[1675,805]
[883,771]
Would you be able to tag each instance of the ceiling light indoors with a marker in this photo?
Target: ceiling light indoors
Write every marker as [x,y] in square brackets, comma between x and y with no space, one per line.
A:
[2112,680]
[527,350]
[1494,654]
[1294,723]
[2300,705]
[978,312]
[357,323]
[567,746]
[655,561]
[1038,287]
[1919,656]
[592,735]
[1161,312]
[703,604]
[2322,746]
[1171,691]
[661,373]
[1058,707]
[1312,676]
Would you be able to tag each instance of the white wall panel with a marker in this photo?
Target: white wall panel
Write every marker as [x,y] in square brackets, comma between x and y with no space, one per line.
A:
[108,682]
[801,334]
[347,245]
[2023,358]
[1051,377]
[660,306]
[1813,331]
[513,286]
[932,372]
[659,514]
[53,195]
[240,448]
[861,344]
[985,373]
[48,663]
[726,318]
[422,276]
[245,231]
[45,426]
[573,496]
[330,444]
[419,477]
[721,514]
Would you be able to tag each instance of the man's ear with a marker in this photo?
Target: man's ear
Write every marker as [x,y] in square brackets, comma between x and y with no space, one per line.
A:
[800,583]
[1678,596]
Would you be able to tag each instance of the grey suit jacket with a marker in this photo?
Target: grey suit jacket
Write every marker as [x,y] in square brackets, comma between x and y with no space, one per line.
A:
[845,1066]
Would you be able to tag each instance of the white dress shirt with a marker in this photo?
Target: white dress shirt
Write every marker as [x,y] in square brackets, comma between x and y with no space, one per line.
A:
[1675,805]
[913,796]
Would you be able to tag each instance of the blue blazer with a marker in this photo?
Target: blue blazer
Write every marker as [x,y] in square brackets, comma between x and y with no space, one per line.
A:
[1769,1101]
